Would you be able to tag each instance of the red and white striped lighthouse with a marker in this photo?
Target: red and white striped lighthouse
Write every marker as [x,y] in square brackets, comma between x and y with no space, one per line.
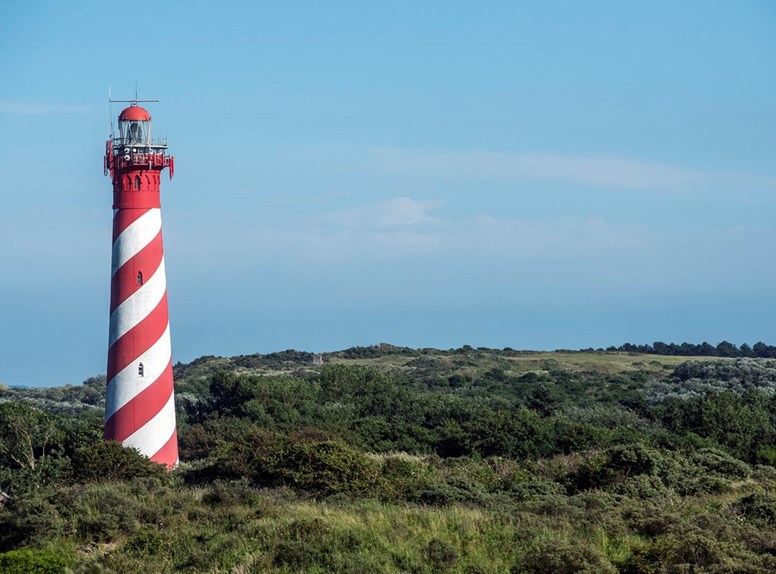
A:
[140,405]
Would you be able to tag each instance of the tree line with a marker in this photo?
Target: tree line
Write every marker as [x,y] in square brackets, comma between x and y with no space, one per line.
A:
[723,349]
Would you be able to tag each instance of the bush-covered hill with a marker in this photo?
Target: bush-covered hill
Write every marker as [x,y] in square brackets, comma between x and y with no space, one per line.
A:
[388,459]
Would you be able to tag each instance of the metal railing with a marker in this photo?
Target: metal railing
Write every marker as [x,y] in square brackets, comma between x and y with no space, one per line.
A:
[127,142]
[141,159]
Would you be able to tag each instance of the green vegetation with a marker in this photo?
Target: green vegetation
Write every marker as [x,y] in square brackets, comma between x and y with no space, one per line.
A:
[390,459]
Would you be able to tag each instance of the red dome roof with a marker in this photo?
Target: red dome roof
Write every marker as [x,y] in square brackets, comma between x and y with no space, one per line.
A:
[135,113]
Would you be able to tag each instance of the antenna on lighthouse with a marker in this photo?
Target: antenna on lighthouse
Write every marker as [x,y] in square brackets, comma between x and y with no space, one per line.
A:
[134,101]
[110,115]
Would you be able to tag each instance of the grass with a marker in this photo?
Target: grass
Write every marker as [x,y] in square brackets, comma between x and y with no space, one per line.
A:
[279,532]
[535,361]
[517,362]
[145,525]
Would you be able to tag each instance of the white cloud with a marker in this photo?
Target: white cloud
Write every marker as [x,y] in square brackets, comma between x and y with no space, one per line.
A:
[598,170]
[405,227]
[555,238]
[410,229]
[28,109]
[398,212]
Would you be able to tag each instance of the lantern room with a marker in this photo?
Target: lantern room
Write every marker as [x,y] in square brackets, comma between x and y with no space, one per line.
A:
[135,127]
[132,148]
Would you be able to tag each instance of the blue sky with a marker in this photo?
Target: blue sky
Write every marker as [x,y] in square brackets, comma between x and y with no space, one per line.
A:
[536,175]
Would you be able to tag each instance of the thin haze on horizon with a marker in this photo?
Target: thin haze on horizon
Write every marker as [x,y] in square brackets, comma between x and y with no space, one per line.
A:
[532,175]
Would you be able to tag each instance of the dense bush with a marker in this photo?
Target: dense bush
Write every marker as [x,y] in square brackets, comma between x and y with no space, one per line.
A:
[699,378]
[311,463]
[554,556]
[758,506]
[723,349]
[34,561]
[108,461]
[614,466]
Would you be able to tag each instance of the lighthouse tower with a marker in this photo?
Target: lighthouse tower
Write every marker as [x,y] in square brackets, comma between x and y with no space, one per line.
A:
[140,406]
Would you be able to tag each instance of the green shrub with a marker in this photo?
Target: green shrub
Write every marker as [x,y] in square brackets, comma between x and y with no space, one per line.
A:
[454,490]
[106,461]
[49,471]
[296,554]
[642,486]
[310,463]
[440,554]
[705,471]
[758,506]
[536,488]
[651,519]
[403,478]
[94,568]
[323,468]
[765,454]
[721,463]
[562,557]
[147,542]
[29,519]
[705,484]
[226,493]
[34,561]
[688,552]
[201,440]
[614,466]
[26,435]
[101,512]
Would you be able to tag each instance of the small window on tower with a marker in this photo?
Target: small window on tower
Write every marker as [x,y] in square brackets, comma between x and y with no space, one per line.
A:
[140,370]
[137,182]
[139,277]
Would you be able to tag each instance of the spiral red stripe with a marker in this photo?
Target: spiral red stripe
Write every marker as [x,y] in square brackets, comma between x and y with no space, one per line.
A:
[168,452]
[141,409]
[154,434]
[125,350]
[123,218]
[126,280]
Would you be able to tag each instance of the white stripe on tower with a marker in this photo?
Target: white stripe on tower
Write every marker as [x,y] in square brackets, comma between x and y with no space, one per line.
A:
[126,385]
[137,306]
[139,234]
[156,432]
[140,408]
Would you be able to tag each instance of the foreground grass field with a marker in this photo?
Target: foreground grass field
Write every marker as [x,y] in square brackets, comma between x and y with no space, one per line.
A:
[528,523]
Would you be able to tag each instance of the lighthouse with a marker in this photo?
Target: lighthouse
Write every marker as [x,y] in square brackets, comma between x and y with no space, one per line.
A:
[140,404]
